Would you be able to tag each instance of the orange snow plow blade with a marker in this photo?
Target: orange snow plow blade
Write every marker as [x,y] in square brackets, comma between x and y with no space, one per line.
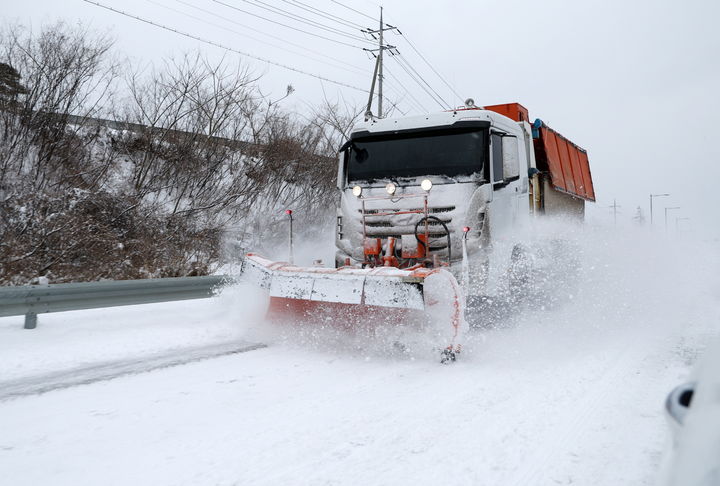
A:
[363,296]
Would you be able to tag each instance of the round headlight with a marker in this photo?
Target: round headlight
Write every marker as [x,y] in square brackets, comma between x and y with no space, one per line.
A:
[390,188]
[426,184]
[357,190]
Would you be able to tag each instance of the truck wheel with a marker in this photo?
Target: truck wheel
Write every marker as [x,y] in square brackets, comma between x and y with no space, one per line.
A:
[520,273]
[447,356]
[483,312]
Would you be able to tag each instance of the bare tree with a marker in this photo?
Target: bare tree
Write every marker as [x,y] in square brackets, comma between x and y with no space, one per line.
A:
[68,74]
[194,149]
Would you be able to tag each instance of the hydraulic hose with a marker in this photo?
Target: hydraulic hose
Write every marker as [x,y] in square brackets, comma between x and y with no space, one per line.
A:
[447,234]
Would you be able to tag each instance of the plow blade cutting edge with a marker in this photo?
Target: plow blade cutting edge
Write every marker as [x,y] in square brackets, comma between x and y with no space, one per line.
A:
[350,296]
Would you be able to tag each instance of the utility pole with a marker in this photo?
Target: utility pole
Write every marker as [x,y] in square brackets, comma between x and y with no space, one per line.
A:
[666,210]
[651,211]
[368,111]
[639,218]
[380,71]
[615,208]
[379,63]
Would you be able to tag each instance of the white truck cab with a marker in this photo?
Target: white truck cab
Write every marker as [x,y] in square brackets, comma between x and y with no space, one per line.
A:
[474,168]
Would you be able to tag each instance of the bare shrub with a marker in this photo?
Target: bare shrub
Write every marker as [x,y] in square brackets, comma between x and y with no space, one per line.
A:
[98,236]
[194,150]
[67,73]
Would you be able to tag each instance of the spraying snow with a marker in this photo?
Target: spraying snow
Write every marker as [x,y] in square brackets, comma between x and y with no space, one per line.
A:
[569,393]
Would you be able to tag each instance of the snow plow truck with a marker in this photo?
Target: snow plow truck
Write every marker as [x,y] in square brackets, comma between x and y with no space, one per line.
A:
[423,203]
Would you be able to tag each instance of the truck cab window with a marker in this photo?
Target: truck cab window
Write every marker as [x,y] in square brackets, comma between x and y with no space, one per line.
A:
[496,143]
[446,152]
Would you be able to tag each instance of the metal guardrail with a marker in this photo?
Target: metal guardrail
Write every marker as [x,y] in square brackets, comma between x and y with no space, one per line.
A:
[32,300]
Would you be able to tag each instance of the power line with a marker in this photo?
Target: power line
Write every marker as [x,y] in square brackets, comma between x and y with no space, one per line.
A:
[355,70]
[430,65]
[412,77]
[268,35]
[410,95]
[288,26]
[320,13]
[230,49]
[402,58]
[436,96]
[401,98]
[356,11]
[298,18]
[395,105]
[412,72]
[405,65]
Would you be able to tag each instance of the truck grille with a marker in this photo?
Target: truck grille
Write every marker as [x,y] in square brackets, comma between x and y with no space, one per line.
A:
[389,224]
[433,210]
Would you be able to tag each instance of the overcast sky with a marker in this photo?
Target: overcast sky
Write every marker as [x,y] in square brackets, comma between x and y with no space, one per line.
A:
[633,82]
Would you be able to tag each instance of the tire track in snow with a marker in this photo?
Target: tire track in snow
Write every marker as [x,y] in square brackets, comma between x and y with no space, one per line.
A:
[86,375]
[572,429]
[578,413]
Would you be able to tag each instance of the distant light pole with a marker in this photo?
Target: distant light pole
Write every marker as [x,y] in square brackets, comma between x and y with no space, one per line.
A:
[615,208]
[666,210]
[651,199]
[677,223]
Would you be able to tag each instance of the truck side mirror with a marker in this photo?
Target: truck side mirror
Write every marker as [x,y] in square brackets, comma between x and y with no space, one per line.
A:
[511,157]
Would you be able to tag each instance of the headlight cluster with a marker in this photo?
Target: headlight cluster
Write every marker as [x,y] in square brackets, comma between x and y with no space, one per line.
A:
[391,188]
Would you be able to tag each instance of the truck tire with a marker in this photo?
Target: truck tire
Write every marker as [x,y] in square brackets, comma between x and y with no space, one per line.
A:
[520,274]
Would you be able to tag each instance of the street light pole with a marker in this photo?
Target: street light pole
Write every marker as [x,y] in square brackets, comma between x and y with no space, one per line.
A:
[615,208]
[666,210]
[651,204]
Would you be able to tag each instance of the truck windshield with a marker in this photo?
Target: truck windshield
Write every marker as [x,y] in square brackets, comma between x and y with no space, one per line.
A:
[451,153]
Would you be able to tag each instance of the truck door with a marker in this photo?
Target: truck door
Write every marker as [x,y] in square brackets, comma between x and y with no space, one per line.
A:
[496,146]
[505,159]
[505,171]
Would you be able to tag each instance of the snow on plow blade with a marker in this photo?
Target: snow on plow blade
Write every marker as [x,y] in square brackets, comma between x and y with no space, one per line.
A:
[354,296]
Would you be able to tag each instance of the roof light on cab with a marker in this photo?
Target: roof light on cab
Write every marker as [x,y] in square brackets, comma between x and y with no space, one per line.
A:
[357,191]
[426,185]
[390,188]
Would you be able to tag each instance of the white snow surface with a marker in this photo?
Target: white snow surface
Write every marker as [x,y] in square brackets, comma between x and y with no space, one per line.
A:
[569,394]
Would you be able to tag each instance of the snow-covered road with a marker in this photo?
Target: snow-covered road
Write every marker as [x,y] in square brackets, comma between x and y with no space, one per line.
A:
[571,395]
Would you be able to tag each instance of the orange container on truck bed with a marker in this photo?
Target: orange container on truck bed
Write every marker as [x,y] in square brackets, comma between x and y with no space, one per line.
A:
[514,111]
[566,162]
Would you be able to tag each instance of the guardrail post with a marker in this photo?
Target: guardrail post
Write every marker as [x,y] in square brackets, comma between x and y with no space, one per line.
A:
[30,320]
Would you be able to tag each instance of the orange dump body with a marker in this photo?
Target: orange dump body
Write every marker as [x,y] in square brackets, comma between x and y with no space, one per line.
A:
[567,163]
[514,111]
